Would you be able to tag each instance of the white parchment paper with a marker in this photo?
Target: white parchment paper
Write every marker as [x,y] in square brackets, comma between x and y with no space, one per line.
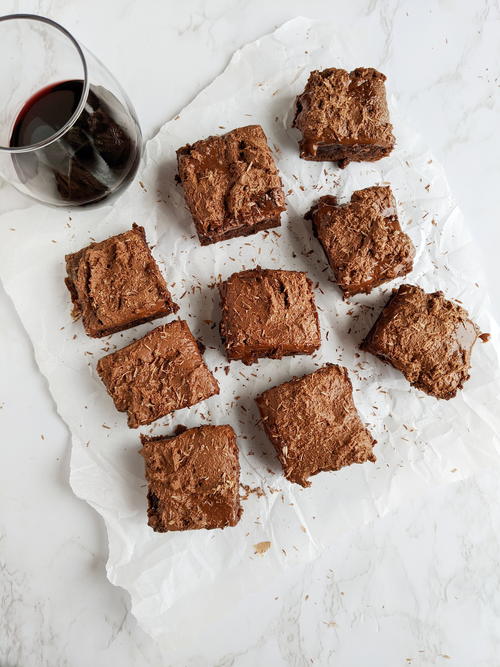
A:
[180,579]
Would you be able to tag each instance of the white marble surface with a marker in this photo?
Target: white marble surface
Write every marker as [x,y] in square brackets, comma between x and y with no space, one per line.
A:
[437,560]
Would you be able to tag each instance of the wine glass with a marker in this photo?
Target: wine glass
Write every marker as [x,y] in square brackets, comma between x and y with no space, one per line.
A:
[69,135]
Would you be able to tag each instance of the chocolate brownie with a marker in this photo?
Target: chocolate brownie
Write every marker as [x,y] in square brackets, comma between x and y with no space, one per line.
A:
[425,336]
[157,374]
[116,284]
[193,479]
[268,313]
[362,240]
[314,425]
[231,184]
[343,116]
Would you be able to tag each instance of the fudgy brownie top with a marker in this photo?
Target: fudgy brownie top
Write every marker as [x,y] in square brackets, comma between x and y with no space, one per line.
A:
[267,312]
[363,240]
[314,425]
[230,181]
[425,336]
[193,479]
[116,284]
[340,107]
[157,374]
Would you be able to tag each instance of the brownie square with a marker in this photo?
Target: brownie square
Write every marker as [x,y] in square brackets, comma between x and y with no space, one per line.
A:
[268,313]
[362,240]
[193,479]
[231,184]
[157,374]
[343,116]
[314,425]
[116,284]
[425,336]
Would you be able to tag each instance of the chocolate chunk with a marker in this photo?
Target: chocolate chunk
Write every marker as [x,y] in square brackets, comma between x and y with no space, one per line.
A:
[78,185]
[81,143]
[111,141]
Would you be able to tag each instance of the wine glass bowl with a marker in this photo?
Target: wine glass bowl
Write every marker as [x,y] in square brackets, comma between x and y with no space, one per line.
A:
[69,135]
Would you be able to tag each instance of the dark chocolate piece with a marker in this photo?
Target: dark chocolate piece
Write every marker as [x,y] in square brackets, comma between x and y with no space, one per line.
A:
[343,116]
[78,185]
[193,479]
[231,184]
[268,313]
[111,141]
[116,284]
[425,336]
[157,374]
[99,122]
[362,240]
[314,425]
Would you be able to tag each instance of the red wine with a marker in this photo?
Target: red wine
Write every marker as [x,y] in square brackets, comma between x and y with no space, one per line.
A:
[94,157]
[46,112]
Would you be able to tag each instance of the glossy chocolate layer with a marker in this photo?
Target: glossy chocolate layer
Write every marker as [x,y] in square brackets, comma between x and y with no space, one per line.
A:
[314,425]
[231,184]
[193,479]
[343,116]
[425,336]
[157,374]
[362,240]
